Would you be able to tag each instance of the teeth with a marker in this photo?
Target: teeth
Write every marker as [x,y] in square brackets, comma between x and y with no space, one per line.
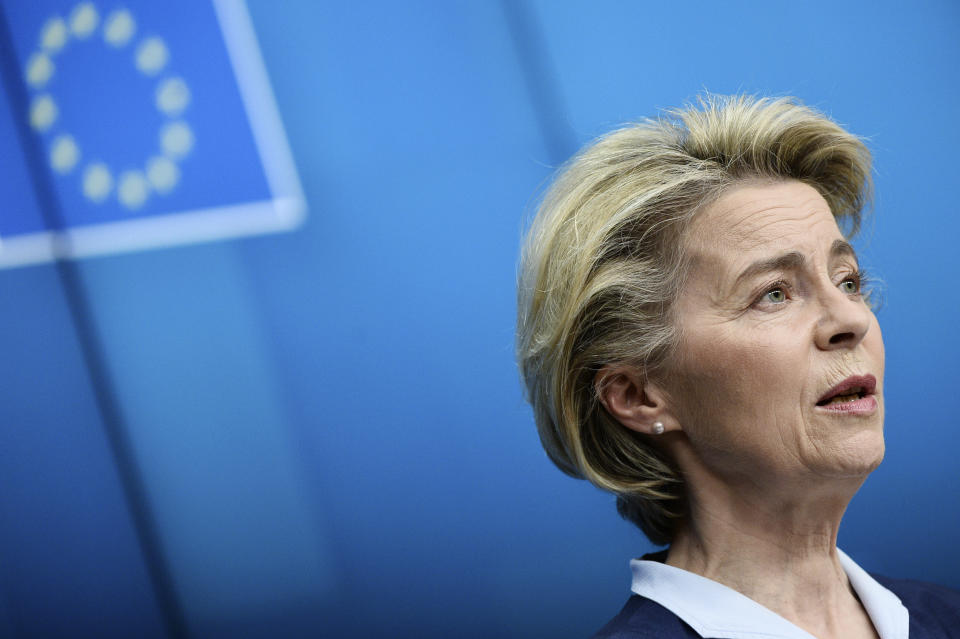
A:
[839,399]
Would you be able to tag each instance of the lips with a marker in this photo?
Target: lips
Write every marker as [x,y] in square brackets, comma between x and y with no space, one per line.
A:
[855,391]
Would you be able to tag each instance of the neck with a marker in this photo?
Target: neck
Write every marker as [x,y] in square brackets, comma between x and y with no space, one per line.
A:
[774,544]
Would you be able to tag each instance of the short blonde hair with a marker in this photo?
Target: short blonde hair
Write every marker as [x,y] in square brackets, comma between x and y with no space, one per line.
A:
[603,263]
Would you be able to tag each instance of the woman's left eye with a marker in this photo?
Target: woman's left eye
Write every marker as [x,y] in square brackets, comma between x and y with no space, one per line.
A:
[851,284]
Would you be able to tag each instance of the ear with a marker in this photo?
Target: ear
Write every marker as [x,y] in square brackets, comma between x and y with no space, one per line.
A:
[633,400]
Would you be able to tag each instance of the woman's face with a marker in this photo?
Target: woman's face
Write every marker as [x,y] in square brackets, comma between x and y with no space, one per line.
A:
[771,320]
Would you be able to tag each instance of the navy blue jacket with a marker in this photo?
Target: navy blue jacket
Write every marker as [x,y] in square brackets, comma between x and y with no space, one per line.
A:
[934,614]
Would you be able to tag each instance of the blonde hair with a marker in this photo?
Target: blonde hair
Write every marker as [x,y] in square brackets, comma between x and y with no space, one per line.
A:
[603,262]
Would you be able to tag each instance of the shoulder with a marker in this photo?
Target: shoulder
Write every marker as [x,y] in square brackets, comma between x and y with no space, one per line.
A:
[642,618]
[932,607]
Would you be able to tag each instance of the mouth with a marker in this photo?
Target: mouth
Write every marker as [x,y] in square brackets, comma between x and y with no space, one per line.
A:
[854,394]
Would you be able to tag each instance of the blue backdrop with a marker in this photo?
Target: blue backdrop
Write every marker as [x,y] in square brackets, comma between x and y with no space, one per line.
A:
[325,428]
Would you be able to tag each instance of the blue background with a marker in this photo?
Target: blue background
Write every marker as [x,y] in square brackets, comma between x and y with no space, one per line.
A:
[328,424]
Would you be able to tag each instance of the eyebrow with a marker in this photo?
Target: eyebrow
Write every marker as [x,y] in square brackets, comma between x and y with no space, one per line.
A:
[792,261]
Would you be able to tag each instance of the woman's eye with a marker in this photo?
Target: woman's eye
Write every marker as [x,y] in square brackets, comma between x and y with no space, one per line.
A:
[777,296]
[850,286]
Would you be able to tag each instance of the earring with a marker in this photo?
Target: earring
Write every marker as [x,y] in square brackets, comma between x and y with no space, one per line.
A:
[658,428]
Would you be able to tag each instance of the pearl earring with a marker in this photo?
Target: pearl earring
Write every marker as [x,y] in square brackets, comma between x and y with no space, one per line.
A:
[658,428]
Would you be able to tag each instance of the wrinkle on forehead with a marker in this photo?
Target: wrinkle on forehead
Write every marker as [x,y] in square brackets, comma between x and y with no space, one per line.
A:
[749,215]
[750,218]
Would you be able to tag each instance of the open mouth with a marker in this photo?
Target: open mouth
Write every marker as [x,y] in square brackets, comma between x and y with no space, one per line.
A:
[852,396]
[855,387]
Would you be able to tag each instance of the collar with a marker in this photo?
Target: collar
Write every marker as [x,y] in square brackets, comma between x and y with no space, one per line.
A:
[720,612]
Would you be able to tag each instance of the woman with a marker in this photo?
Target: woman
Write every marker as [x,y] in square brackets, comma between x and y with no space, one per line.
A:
[695,337]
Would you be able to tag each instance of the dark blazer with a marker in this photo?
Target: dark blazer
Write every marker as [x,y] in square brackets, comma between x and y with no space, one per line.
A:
[934,614]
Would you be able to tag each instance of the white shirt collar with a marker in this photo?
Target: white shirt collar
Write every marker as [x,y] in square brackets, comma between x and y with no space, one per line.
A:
[720,612]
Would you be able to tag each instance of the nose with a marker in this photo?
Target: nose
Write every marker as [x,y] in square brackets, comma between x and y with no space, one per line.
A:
[844,320]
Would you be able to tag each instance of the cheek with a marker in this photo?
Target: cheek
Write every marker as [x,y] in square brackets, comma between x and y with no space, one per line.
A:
[742,402]
[733,385]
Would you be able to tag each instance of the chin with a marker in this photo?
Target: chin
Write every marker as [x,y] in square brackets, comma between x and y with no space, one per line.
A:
[858,457]
[851,447]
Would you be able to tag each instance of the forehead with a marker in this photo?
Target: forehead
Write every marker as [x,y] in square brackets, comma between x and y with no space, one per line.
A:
[761,218]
